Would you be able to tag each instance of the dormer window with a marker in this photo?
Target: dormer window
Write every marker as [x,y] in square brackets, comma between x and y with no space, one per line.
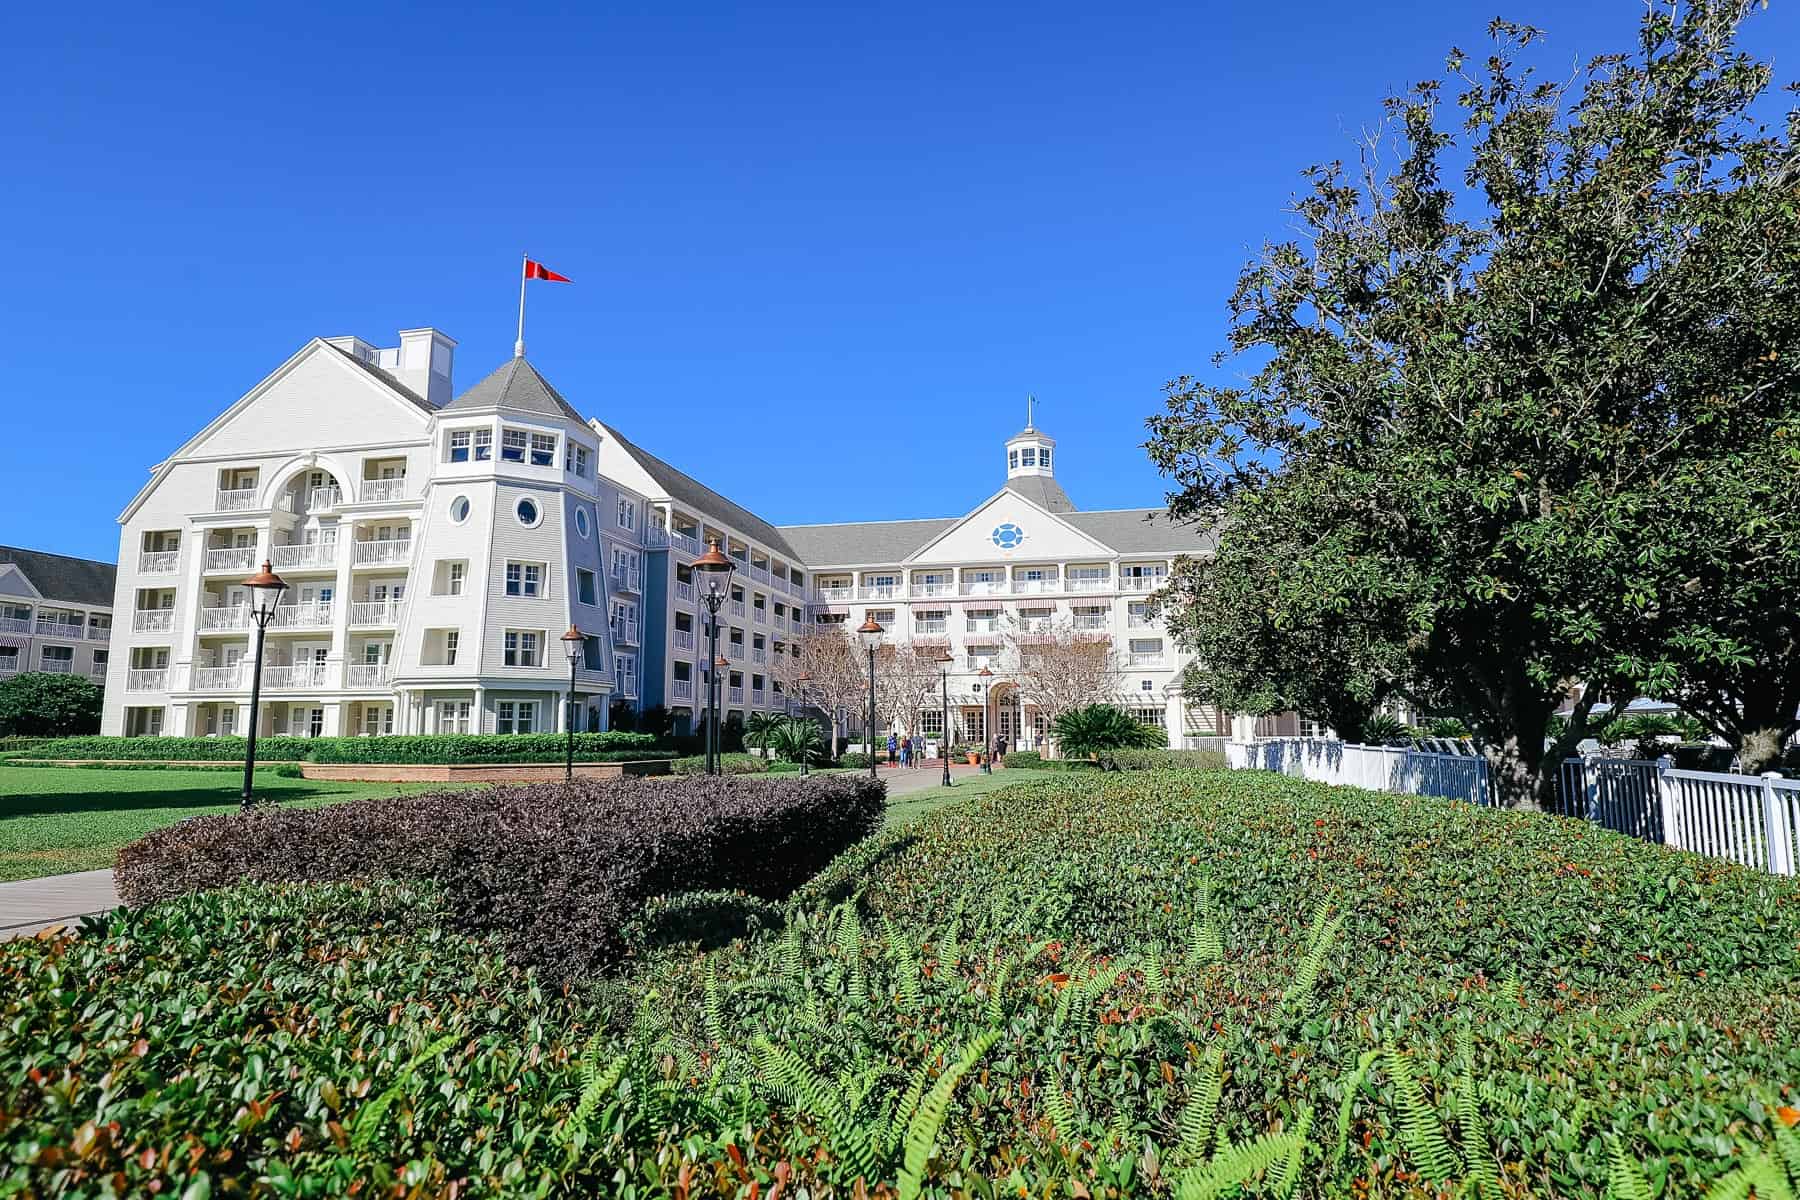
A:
[459,445]
[512,445]
[543,449]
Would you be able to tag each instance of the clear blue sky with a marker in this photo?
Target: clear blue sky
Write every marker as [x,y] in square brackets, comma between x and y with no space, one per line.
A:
[821,253]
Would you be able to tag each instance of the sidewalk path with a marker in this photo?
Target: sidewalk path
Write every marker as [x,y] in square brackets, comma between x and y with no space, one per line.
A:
[28,905]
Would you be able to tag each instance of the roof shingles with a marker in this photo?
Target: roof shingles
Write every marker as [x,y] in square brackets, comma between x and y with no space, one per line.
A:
[59,577]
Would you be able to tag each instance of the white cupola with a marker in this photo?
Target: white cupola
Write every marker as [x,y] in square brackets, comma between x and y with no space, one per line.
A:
[1029,451]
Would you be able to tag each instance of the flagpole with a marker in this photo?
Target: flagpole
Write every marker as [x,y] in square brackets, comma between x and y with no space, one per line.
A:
[519,346]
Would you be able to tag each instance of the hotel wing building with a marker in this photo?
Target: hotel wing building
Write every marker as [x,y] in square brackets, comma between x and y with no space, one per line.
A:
[436,546]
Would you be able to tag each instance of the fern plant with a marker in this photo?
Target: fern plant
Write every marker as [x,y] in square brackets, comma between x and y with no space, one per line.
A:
[922,1130]
[1325,929]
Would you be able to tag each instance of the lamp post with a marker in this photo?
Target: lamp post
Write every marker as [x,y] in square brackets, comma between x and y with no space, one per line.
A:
[869,633]
[800,682]
[943,661]
[574,642]
[987,732]
[717,699]
[718,568]
[265,593]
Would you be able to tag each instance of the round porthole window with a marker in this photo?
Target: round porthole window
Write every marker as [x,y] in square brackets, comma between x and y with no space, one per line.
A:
[528,513]
[581,521]
[459,509]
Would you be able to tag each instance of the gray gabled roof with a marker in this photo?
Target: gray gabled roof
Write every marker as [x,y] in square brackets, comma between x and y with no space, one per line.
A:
[1142,531]
[691,493]
[384,377]
[863,541]
[59,577]
[518,386]
[1043,491]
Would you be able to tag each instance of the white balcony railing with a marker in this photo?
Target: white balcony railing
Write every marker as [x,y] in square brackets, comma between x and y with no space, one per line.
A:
[295,676]
[145,680]
[734,651]
[231,558]
[321,498]
[384,489]
[655,537]
[1089,622]
[99,633]
[925,591]
[234,499]
[316,615]
[627,631]
[1139,623]
[383,550]
[981,627]
[375,612]
[760,573]
[61,629]
[757,695]
[305,554]
[224,616]
[686,542]
[760,616]
[1140,583]
[1102,583]
[737,608]
[221,679]
[984,587]
[932,628]
[834,595]
[366,675]
[57,666]
[1035,625]
[1035,587]
[158,562]
[626,686]
[883,591]
[9,665]
[735,695]
[1141,659]
[684,591]
[761,656]
[682,689]
[631,581]
[154,620]
[684,639]
[15,624]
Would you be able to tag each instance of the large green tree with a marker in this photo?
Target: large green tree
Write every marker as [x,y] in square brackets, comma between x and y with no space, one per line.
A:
[1521,409]
[47,704]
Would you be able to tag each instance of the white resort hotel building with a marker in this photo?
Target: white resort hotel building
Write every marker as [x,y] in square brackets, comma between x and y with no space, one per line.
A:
[436,547]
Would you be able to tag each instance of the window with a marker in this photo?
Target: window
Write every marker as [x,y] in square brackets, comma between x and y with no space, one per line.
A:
[1012,458]
[459,510]
[58,658]
[581,520]
[9,659]
[1146,686]
[627,513]
[1028,457]
[515,716]
[100,657]
[577,459]
[527,512]
[584,585]
[512,445]
[446,578]
[377,719]
[453,716]
[1044,457]
[543,449]
[451,637]
[524,579]
[459,445]
[521,649]
[484,445]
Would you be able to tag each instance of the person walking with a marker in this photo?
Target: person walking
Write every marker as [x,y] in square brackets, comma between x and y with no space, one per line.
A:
[1000,749]
[893,744]
[906,753]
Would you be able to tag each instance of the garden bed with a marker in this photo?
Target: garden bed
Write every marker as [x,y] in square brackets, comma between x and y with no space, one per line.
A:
[482,772]
[1108,985]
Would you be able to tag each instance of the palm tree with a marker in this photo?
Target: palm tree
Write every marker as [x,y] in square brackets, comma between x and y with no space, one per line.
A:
[760,727]
[1098,728]
[794,737]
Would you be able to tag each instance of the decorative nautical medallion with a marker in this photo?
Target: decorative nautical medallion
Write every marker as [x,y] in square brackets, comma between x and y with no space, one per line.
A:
[1008,536]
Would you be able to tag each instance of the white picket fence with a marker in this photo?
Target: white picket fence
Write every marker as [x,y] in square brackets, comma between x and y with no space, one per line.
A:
[1382,768]
[1747,819]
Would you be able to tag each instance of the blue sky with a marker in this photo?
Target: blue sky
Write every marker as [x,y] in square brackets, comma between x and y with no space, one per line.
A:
[821,253]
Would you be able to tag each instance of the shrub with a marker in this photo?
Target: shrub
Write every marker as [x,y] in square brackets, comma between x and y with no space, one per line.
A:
[729,764]
[1097,728]
[855,760]
[1023,758]
[48,704]
[611,746]
[1164,760]
[555,869]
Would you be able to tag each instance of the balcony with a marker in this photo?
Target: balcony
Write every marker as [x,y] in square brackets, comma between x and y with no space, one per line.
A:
[1037,625]
[382,551]
[375,612]
[682,689]
[630,581]
[1100,583]
[303,675]
[684,639]
[1035,587]
[1141,583]
[366,675]
[760,573]
[981,627]
[626,686]
[141,680]
[220,679]
[155,620]
[627,632]
[99,633]
[158,562]
[231,558]
[881,591]
[656,537]
[234,499]
[236,616]
[833,595]
[57,666]
[985,587]
[15,624]
[320,499]
[306,554]
[757,696]
[684,592]
[759,656]
[737,608]
[761,616]
[686,542]
[1090,623]
[1136,622]
[384,489]
[735,695]
[1143,659]
[927,591]
[932,629]
[735,651]
[316,615]
[61,629]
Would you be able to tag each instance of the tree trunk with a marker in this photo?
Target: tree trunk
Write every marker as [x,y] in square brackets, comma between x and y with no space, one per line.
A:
[1759,749]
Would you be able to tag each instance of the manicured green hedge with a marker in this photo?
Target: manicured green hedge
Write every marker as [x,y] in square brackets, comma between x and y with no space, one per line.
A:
[1135,968]
[1125,760]
[407,748]
[729,764]
[1022,758]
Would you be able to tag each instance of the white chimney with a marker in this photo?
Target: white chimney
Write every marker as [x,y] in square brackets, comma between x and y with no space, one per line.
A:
[424,365]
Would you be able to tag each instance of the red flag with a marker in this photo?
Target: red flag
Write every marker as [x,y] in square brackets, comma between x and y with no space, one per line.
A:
[537,270]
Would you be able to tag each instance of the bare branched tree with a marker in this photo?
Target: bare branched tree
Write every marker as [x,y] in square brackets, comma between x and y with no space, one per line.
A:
[1058,667]
[833,662]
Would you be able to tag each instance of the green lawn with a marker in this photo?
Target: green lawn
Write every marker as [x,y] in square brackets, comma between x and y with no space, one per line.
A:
[57,819]
[914,805]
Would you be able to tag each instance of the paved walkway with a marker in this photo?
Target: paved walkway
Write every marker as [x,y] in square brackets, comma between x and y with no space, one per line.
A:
[28,905]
